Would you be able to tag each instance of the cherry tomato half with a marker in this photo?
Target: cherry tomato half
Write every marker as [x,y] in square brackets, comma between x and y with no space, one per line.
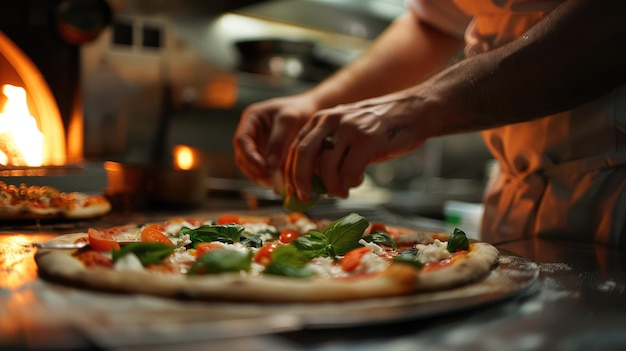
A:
[202,248]
[228,219]
[288,235]
[352,259]
[155,233]
[378,227]
[264,255]
[101,241]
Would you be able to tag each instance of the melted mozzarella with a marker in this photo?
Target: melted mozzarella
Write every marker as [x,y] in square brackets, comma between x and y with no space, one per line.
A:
[259,228]
[180,241]
[371,263]
[128,262]
[182,259]
[326,268]
[174,227]
[377,249]
[132,234]
[436,251]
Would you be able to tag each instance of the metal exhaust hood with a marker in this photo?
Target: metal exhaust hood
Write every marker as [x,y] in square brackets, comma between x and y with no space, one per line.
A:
[361,18]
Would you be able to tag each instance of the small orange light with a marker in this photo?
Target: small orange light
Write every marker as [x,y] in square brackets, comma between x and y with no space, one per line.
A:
[184,157]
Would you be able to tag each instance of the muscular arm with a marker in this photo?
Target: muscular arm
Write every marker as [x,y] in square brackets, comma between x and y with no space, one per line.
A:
[407,52]
[571,57]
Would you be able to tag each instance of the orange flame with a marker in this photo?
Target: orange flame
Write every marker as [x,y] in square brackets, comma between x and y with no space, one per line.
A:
[26,111]
[21,141]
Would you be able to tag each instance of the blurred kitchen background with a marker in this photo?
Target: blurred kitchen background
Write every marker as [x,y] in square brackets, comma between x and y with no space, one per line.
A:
[161,73]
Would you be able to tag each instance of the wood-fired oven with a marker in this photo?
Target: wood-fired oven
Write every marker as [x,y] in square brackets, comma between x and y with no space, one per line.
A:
[41,136]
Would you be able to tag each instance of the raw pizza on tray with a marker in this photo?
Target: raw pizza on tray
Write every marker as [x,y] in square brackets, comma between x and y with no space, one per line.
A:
[285,257]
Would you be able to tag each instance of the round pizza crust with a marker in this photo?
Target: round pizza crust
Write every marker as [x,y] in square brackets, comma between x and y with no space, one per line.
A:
[397,280]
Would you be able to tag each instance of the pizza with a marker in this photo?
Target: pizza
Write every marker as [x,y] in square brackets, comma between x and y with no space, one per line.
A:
[46,202]
[281,257]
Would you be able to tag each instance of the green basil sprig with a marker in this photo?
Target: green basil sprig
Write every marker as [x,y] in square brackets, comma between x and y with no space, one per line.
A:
[337,239]
[294,204]
[381,237]
[289,261]
[148,253]
[221,261]
[457,241]
[410,257]
[228,233]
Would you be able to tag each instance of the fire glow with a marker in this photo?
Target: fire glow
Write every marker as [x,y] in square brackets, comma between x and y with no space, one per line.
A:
[21,141]
[31,129]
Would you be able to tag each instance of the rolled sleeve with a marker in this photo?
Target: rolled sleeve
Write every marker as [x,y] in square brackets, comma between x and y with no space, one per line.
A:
[441,14]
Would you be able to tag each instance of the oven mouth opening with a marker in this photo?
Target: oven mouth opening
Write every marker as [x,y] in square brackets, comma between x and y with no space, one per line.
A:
[31,127]
[37,145]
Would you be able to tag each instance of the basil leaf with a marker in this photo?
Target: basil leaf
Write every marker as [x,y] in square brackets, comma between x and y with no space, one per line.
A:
[293,204]
[229,233]
[251,240]
[380,237]
[148,253]
[408,257]
[344,234]
[277,268]
[313,244]
[290,255]
[457,241]
[289,261]
[220,261]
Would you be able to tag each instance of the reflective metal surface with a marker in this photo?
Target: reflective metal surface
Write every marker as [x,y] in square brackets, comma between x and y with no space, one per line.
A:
[576,303]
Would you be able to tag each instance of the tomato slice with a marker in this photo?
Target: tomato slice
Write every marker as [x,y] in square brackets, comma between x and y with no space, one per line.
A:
[264,255]
[352,259]
[101,241]
[378,226]
[228,219]
[155,233]
[288,235]
[202,248]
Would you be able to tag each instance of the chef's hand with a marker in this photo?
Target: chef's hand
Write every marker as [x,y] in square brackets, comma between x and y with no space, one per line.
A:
[263,136]
[339,143]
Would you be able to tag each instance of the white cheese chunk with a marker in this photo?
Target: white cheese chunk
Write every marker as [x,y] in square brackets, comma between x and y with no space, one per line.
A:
[325,268]
[370,263]
[436,251]
[377,249]
[128,262]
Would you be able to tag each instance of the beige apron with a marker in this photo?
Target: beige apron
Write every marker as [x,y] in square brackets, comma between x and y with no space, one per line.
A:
[562,176]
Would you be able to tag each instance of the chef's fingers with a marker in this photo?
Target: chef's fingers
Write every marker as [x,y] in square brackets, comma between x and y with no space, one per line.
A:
[284,129]
[277,181]
[248,140]
[352,169]
[329,163]
[302,159]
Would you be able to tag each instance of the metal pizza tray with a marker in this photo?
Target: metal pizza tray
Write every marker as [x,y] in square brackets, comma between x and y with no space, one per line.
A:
[513,277]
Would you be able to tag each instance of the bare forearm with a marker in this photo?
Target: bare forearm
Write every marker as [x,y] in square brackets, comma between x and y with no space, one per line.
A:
[406,53]
[570,58]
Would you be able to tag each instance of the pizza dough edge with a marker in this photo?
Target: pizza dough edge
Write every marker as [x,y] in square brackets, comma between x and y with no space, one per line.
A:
[479,261]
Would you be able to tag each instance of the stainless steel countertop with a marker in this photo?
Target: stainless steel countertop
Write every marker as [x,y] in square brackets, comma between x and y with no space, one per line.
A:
[577,303]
